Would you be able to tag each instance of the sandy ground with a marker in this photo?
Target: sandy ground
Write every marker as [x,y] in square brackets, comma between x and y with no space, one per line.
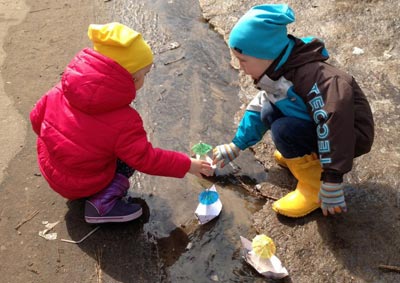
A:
[350,247]
[40,37]
[10,119]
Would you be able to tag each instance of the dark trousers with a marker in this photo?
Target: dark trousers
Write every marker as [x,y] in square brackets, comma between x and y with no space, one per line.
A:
[124,169]
[293,137]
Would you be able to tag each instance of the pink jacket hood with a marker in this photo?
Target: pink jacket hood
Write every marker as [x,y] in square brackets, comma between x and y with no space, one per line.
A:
[105,86]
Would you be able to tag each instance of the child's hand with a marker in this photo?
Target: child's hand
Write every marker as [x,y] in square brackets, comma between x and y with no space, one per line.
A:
[331,198]
[225,153]
[199,167]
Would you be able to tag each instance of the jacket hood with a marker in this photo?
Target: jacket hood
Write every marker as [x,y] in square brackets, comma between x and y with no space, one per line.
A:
[94,83]
[304,51]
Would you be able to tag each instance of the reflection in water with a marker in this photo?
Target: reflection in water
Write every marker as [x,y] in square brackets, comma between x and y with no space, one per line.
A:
[189,97]
[172,247]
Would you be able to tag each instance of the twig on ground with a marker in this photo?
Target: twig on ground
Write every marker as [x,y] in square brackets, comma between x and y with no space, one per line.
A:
[255,191]
[161,94]
[247,187]
[174,61]
[390,267]
[270,197]
[218,96]
[170,46]
[33,214]
[84,238]
[40,10]
[99,254]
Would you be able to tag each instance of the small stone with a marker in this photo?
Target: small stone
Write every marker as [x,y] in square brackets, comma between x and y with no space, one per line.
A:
[214,278]
[358,51]
[189,246]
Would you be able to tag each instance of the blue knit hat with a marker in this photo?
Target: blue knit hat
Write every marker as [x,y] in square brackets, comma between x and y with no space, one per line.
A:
[261,32]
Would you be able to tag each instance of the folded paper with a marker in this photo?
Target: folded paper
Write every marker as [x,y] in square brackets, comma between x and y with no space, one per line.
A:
[268,267]
[209,206]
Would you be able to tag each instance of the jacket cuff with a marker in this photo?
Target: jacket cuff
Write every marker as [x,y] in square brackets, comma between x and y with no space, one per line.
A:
[239,144]
[332,177]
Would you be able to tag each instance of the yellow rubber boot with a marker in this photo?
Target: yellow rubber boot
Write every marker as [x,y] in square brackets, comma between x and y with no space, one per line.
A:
[304,199]
[280,159]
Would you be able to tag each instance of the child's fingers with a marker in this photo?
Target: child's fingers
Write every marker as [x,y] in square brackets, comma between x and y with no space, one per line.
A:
[338,209]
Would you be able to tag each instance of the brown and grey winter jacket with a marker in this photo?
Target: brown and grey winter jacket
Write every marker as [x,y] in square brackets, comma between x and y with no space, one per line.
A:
[300,83]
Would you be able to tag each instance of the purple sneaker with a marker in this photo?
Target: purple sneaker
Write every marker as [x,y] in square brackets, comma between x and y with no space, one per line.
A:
[107,205]
[121,212]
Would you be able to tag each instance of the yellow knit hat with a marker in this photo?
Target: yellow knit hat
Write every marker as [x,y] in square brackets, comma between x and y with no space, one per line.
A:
[122,44]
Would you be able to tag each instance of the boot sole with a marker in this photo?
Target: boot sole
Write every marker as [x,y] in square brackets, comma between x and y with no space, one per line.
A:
[117,219]
[294,216]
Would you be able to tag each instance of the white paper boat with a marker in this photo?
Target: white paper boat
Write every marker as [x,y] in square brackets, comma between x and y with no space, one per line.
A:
[268,267]
[209,206]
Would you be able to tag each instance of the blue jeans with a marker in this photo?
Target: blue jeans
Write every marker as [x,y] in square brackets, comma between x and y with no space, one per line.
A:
[293,137]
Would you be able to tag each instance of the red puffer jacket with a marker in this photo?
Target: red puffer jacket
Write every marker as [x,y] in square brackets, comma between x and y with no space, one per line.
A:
[85,123]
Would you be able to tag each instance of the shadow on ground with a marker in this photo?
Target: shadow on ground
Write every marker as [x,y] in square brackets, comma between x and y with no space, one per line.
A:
[343,248]
[368,236]
[125,251]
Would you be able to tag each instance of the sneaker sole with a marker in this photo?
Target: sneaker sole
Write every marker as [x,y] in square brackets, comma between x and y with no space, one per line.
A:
[108,219]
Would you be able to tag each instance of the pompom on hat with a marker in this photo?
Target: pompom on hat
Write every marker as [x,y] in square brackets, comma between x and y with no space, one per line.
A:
[261,32]
[122,44]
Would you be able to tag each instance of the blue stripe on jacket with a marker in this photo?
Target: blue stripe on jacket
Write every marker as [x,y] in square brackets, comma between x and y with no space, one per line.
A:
[250,131]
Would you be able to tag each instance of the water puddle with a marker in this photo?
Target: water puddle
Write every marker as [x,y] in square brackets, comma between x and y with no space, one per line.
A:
[191,95]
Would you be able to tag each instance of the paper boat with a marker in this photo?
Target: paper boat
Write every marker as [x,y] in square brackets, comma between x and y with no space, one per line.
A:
[268,267]
[209,205]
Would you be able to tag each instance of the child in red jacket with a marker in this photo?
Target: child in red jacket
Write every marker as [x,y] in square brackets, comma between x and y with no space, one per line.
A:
[90,140]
